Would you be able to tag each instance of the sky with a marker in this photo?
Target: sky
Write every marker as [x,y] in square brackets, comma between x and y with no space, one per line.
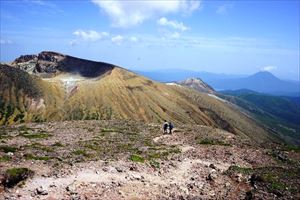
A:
[232,37]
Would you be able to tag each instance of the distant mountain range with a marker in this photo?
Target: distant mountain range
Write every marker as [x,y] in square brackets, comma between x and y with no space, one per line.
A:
[264,82]
[173,75]
[280,114]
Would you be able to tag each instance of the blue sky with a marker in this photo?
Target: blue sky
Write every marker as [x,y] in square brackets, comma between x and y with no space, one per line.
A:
[235,37]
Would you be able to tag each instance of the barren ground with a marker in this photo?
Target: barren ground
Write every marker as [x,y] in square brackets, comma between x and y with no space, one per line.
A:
[132,160]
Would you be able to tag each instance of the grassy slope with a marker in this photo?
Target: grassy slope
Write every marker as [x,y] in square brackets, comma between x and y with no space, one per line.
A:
[121,94]
[280,113]
[20,93]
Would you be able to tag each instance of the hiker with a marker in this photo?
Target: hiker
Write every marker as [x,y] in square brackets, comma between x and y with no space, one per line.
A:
[171,126]
[165,127]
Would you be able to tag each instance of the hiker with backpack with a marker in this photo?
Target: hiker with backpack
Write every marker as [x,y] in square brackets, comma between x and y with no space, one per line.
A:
[165,127]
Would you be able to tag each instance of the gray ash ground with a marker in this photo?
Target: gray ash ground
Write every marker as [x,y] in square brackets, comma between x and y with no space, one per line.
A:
[133,160]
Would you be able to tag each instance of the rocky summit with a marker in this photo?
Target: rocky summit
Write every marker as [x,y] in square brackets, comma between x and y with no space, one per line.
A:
[197,84]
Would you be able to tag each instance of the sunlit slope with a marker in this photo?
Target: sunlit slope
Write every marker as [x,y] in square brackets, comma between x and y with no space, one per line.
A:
[24,97]
[125,95]
[118,94]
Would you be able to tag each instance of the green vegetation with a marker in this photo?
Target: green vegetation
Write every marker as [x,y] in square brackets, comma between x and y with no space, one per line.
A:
[275,179]
[154,164]
[280,179]
[137,158]
[80,152]
[15,175]
[238,169]
[32,157]
[57,144]
[7,149]
[207,141]
[15,86]
[292,148]
[5,158]
[105,130]
[30,135]
[39,146]
[281,114]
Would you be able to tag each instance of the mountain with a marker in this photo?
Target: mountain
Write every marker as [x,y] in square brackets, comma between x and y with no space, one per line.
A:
[198,85]
[264,82]
[54,87]
[281,114]
[172,75]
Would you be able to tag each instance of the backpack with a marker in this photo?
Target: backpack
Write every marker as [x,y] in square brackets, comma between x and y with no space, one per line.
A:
[171,126]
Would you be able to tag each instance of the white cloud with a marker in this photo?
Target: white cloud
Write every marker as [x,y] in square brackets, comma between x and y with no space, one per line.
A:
[133,39]
[131,13]
[268,68]
[224,9]
[172,23]
[117,39]
[91,35]
[2,41]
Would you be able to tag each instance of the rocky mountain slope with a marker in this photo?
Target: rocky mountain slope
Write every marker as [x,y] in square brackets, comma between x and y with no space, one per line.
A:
[198,85]
[121,159]
[62,87]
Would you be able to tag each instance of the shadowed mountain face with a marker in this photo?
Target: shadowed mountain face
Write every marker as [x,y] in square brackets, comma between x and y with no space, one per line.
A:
[47,64]
[75,89]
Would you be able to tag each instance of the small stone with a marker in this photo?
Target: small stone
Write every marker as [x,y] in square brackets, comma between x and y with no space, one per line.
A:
[41,190]
[119,169]
[212,166]
[52,185]
[10,154]
[71,188]
[136,177]
[105,169]
[212,177]
[239,177]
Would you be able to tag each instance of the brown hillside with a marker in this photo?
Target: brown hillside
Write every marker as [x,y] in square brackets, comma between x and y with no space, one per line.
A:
[116,93]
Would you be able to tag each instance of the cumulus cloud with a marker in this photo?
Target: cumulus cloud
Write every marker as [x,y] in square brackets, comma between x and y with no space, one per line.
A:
[117,39]
[172,24]
[90,35]
[131,13]
[268,68]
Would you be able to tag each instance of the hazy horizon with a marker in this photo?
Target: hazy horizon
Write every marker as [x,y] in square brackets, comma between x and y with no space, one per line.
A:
[213,36]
